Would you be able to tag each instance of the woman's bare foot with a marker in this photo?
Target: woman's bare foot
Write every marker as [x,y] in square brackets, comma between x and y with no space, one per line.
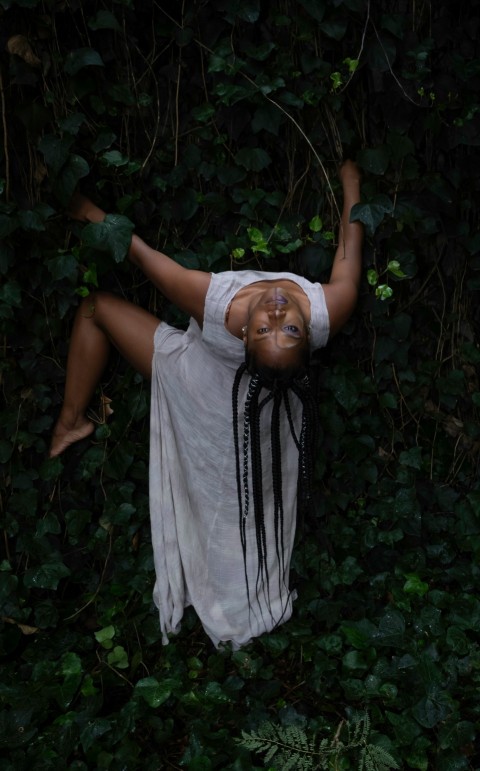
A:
[83,209]
[63,436]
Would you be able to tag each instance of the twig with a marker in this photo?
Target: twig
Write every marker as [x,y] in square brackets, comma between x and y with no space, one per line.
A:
[100,583]
[417,104]
[5,140]
[362,44]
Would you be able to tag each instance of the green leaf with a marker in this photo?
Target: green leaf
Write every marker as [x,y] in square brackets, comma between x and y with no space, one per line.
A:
[31,220]
[374,160]
[457,640]
[6,449]
[46,576]
[7,225]
[105,636]
[80,58]
[184,36]
[433,709]
[115,159]
[316,224]
[93,730]
[51,468]
[203,113]
[414,585]
[314,8]
[267,118]
[69,176]
[118,657]
[48,524]
[73,123]
[71,664]
[10,293]
[383,292]
[185,205]
[372,213]
[412,458]
[56,150]
[254,159]
[76,520]
[344,390]
[104,20]
[391,629]
[334,29]
[248,10]
[113,235]
[393,267]
[63,266]
[153,692]
[103,140]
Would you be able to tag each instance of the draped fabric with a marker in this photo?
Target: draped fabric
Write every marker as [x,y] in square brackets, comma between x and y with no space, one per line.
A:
[193,493]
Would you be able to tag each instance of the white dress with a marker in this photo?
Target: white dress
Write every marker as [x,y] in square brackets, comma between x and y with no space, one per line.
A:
[193,491]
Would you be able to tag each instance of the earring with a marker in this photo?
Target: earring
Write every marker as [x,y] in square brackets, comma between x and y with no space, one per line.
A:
[244,329]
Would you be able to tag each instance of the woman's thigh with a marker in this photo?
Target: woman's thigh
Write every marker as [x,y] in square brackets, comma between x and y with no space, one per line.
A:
[129,328]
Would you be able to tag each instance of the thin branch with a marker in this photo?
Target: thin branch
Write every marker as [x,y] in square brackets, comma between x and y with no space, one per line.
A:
[5,140]
[362,45]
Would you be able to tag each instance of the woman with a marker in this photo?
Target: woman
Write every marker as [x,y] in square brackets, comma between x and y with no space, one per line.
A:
[231,412]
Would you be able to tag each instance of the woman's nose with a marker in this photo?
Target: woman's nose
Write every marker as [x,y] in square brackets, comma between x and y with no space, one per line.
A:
[276,312]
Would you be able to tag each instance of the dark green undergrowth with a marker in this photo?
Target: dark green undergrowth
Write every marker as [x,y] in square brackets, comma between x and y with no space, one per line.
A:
[217,128]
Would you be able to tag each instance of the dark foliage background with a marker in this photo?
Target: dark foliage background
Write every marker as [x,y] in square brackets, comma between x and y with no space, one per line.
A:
[217,127]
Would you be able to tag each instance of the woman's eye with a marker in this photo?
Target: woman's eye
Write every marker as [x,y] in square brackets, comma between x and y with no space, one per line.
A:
[262,330]
[291,328]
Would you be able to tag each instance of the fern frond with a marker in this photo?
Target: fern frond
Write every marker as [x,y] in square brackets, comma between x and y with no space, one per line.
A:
[360,723]
[260,740]
[292,750]
[288,744]
[376,758]
[297,763]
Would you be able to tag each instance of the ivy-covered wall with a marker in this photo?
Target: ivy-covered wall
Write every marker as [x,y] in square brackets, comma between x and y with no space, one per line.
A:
[217,128]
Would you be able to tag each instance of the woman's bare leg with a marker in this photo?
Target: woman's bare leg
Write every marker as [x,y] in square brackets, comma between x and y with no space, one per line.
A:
[102,320]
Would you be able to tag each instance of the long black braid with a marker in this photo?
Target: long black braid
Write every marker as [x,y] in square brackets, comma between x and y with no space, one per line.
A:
[249,463]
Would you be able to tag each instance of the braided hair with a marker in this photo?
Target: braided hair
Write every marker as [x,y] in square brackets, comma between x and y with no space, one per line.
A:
[269,384]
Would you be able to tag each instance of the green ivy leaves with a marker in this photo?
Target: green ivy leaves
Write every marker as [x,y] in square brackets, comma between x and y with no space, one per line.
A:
[113,236]
[372,213]
[200,127]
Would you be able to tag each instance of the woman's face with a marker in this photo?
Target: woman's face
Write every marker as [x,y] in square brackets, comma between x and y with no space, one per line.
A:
[277,328]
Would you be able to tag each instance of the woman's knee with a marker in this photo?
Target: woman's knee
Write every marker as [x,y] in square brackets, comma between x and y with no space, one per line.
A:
[100,305]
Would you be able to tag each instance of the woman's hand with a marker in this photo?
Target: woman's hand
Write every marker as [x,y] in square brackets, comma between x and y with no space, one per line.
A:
[83,209]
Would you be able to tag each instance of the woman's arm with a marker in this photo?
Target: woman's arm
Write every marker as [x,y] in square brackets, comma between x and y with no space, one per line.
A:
[185,288]
[341,292]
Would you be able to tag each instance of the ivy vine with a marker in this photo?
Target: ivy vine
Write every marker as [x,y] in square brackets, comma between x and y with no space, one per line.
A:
[216,128]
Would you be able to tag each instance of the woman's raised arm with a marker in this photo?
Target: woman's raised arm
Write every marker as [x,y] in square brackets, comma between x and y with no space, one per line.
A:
[341,292]
[184,287]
